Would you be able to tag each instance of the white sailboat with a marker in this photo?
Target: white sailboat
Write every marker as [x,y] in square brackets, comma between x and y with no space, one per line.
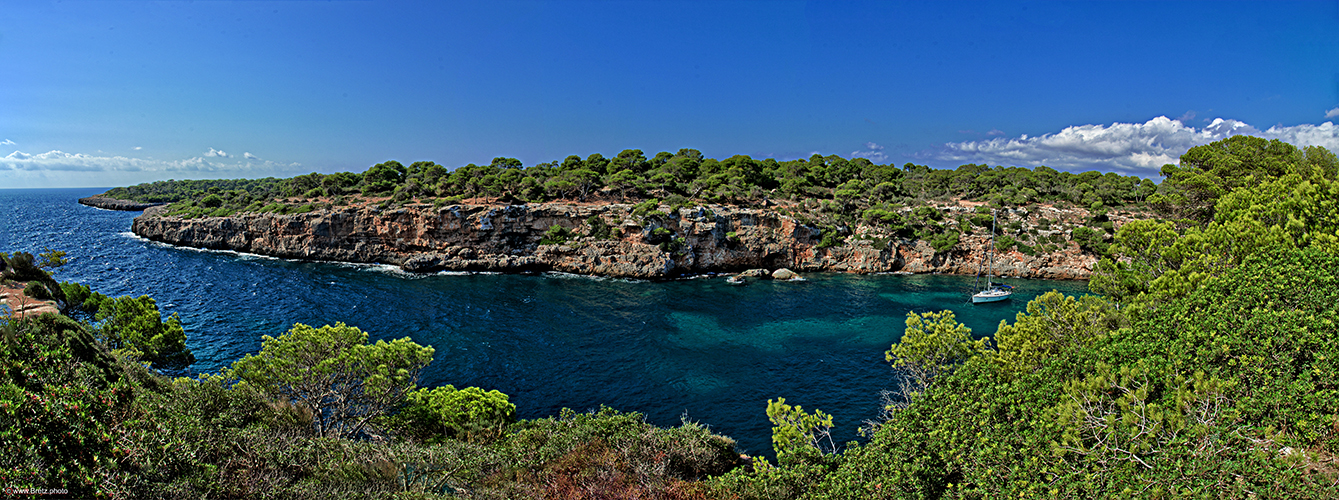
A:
[992,292]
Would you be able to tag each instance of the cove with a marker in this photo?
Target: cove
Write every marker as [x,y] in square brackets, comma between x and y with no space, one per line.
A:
[697,348]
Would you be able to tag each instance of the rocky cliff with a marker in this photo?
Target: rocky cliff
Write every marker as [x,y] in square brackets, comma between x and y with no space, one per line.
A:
[421,238]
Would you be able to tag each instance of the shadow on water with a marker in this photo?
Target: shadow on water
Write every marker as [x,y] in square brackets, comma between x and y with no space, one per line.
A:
[698,347]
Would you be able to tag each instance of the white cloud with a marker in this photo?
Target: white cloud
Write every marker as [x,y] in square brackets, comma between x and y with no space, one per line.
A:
[7,142]
[873,152]
[214,153]
[250,156]
[137,148]
[995,131]
[61,169]
[1325,135]
[1328,114]
[1132,148]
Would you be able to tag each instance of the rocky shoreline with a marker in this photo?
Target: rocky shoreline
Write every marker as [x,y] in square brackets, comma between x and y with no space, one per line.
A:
[106,203]
[662,245]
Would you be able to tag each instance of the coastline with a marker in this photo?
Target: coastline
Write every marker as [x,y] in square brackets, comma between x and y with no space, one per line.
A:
[688,242]
[106,203]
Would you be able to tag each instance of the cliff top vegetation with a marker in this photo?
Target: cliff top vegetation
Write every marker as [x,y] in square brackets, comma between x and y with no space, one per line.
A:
[828,192]
[822,184]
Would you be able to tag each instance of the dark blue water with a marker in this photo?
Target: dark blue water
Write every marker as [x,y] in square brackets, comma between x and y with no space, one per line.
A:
[698,347]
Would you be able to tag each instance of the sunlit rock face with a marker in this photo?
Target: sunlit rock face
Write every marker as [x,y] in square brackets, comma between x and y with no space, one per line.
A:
[421,238]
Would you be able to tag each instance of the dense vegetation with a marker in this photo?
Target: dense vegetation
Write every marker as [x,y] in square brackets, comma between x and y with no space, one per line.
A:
[835,182]
[1205,369]
[317,413]
[830,192]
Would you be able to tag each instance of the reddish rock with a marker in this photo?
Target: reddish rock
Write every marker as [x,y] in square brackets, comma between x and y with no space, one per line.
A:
[421,238]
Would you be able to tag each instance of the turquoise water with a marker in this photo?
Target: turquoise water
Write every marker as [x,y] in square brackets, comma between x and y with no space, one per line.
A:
[701,348]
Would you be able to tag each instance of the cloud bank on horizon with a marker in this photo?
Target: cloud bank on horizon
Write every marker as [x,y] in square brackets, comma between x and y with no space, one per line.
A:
[1128,148]
[57,168]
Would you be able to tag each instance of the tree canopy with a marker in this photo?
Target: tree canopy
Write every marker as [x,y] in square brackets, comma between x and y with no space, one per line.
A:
[1206,369]
[344,383]
[839,185]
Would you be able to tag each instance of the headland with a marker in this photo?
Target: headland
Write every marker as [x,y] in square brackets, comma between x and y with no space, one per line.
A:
[616,240]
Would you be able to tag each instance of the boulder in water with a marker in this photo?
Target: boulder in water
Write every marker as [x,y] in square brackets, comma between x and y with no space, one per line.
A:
[756,273]
[784,274]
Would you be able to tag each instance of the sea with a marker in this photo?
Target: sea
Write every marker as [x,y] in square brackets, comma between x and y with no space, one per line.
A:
[696,349]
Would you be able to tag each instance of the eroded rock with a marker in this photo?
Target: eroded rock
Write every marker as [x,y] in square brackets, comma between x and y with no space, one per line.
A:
[721,239]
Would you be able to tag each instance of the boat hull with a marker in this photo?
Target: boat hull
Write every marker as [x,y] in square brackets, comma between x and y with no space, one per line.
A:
[982,298]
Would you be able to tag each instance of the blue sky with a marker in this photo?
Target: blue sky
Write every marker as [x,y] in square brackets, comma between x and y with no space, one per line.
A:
[103,93]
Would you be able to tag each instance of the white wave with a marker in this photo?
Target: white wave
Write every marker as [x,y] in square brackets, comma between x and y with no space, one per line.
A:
[702,276]
[102,209]
[393,270]
[572,276]
[389,269]
[466,273]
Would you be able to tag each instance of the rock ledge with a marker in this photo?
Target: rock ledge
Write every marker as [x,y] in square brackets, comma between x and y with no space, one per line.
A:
[115,204]
[714,239]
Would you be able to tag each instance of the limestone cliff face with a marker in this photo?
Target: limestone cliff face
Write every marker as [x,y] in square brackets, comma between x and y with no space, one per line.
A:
[507,238]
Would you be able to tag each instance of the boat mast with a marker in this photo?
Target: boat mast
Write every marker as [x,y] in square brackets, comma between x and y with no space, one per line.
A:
[990,253]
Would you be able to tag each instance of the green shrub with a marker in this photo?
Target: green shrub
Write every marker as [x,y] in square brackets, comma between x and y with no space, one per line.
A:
[831,238]
[1089,239]
[964,226]
[556,235]
[469,414]
[678,202]
[659,235]
[59,395]
[944,242]
[598,228]
[378,188]
[887,216]
[135,326]
[982,219]
[645,207]
[608,454]
[927,214]
[675,246]
[333,373]
[37,290]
